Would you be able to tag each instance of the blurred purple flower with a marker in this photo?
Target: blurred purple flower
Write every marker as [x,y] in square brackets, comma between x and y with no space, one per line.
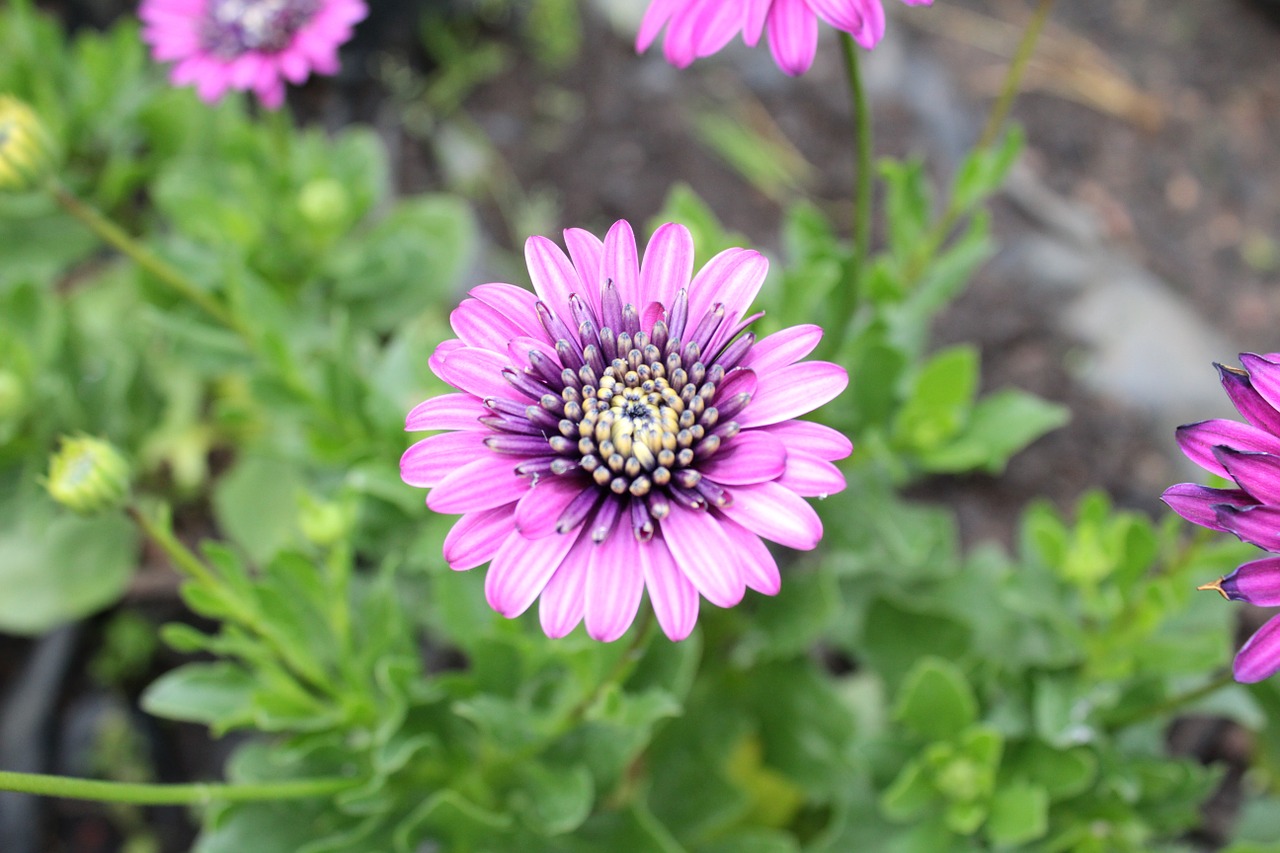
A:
[697,28]
[619,430]
[250,45]
[1249,455]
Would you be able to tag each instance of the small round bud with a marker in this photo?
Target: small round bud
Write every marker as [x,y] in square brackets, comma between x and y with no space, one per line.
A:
[26,153]
[324,203]
[88,475]
[13,396]
[325,523]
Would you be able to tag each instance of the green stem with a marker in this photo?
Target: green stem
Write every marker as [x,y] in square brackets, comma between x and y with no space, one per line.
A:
[1173,703]
[1013,78]
[995,123]
[199,793]
[863,147]
[116,237]
[183,558]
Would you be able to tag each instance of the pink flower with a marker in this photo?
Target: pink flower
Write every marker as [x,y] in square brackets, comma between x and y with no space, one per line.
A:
[1247,454]
[697,28]
[248,44]
[619,430]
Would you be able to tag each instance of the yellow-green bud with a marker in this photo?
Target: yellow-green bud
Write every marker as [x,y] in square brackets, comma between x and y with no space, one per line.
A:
[88,475]
[324,202]
[26,152]
[13,395]
[325,523]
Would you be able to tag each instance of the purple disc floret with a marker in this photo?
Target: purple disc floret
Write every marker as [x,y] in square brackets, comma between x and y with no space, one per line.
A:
[620,429]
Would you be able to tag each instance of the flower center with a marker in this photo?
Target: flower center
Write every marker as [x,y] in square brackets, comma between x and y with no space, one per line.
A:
[629,414]
[235,27]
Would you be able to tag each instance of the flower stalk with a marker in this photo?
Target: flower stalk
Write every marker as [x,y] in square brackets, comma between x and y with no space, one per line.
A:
[862,148]
[121,241]
[200,793]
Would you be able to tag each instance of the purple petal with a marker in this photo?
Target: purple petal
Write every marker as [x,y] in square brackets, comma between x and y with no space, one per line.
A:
[483,483]
[795,390]
[514,303]
[757,13]
[430,460]
[759,569]
[705,555]
[821,441]
[1257,525]
[554,277]
[1198,440]
[621,263]
[441,352]
[519,348]
[673,597]
[810,476]
[587,252]
[1248,402]
[1256,583]
[733,277]
[476,371]
[793,35]
[1260,656]
[563,600]
[655,16]
[776,513]
[753,456]
[541,506]
[615,585]
[483,326]
[1256,473]
[1264,376]
[448,411]
[520,570]
[1197,504]
[782,349]
[667,266]
[476,537]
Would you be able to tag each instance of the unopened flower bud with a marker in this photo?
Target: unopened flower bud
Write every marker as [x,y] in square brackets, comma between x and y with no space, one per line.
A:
[25,149]
[88,475]
[325,523]
[13,395]
[1256,583]
[324,202]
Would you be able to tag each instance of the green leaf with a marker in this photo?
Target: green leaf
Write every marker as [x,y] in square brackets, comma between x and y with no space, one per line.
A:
[935,700]
[406,262]
[939,401]
[255,504]
[909,795]
[216,694]
[1019,813]
[984,170]
[1001,424]
[554,800]
[56,568]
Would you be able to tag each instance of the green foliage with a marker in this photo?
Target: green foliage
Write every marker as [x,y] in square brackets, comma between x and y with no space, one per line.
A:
[899,694]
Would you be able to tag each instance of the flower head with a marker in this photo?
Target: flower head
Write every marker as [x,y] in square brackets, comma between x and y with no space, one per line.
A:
[1249,455]
[88,475]
[697,28]
[250,45]
[25,149]
[619,429]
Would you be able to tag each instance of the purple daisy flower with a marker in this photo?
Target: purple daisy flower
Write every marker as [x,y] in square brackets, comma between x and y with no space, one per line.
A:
[619,429]
[1249,455]
[250,45]
[697,28]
